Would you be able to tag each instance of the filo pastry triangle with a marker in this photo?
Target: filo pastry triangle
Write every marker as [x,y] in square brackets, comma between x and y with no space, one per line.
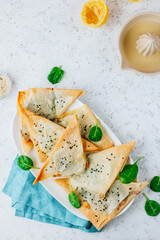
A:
[45,134]
[27,143]
[46,102]
[103,168]
[101,211]
[68,156]
[87,120]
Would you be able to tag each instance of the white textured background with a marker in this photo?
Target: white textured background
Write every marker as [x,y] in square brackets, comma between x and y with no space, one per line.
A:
[37,35]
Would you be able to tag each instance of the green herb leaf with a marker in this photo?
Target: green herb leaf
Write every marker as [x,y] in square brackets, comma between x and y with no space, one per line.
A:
[152,207]
[155,184]
[129,172]
[95,133]
[56,75]
[74,199]
[25,163]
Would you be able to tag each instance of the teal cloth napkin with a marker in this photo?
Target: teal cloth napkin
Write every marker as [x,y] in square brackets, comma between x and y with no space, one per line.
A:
[34,202]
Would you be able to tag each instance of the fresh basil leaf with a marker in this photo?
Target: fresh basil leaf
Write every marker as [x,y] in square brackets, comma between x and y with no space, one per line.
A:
[55,75]
[129,172]
[25,163]
[95,133]
[155,184]
[74,200]
[152,207]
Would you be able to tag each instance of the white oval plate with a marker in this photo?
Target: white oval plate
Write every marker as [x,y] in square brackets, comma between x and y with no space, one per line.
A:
[50,185]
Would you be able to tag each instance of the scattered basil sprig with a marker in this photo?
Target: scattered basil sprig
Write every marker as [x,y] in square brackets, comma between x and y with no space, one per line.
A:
[95,133]
[74,200]
[129,172]
[25,163]
[56,75]
[152,207]
[155,184]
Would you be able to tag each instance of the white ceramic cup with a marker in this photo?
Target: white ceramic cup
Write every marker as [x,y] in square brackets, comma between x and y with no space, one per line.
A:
[125,64]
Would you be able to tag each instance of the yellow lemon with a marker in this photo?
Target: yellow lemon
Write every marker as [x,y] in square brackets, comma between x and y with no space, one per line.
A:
[94,13]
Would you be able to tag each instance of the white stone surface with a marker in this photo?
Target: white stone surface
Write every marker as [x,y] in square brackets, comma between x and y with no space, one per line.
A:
[37,35]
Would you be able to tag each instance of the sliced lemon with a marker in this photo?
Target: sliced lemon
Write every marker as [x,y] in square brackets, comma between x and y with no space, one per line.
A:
[94,13]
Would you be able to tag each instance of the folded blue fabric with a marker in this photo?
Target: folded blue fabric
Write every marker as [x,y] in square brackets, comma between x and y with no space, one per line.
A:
[34,202]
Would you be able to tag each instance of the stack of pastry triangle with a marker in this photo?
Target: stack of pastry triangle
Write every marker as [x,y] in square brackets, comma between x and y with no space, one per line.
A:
[45,102]
[87,120]
[68,156]
[45,134]
[92,178]
[101,211]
